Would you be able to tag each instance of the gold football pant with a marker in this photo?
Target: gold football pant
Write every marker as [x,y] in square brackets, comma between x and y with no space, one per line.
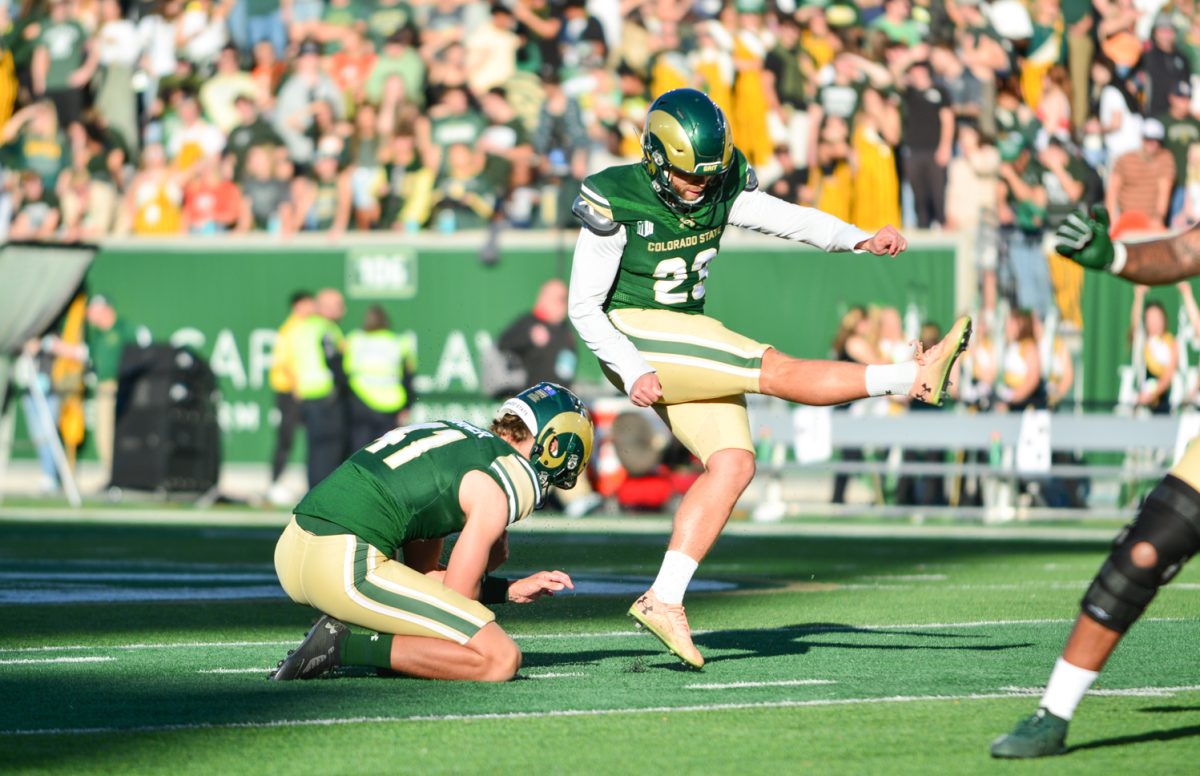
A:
[705,370]
[349,579]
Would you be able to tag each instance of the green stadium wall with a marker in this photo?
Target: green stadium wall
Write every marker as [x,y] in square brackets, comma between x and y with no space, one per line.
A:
[226,299]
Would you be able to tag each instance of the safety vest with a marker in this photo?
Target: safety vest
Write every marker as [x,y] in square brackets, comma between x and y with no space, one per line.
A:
[283,368]
[314,378]
[375,368]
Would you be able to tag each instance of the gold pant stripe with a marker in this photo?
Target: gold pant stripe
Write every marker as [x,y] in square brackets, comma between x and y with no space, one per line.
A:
[664,336]
[373,557]
[701,363]
[343,577]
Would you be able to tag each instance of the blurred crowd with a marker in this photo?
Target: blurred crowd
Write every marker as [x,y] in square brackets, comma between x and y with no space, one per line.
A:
[154,117]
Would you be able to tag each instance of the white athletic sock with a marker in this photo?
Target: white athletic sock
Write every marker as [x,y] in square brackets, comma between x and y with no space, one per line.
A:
[674,576]
[1066,688]
[891,379]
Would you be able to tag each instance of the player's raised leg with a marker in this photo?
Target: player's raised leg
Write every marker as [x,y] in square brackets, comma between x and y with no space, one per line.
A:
[1146,555]
[837,382]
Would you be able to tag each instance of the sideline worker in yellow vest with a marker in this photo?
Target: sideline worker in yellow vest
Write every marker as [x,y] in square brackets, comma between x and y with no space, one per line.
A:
[379,368]
[321,385]
[282,379]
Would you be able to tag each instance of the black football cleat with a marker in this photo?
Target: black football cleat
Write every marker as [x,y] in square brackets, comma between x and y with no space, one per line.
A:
[316,655]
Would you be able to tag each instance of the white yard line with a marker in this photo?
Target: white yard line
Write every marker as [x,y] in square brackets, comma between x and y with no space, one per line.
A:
[589,635]
[1136,692]
[748,685]
[516,715]
[560,675]
[42,661]
[233,671]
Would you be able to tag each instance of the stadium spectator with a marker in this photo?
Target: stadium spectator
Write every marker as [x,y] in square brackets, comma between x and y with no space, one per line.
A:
[157,35]
[1068,182]
[1139,190]
[1118,110]
[1181,129]
[323,197]
[1079,19]
[542,342]
[928,138]
[202,32]
[304,100]
[251,130]
[33,141]
[36,214]
[398,59]
[266,199]
[1160,357]
[211,200]
[831,180]
[339,20]
[1191,197]
[88,205]
[261,20]
[384,19]
[220,93]
[1054,107]
[580,38]
[63,62]
[1020,384]
[350,66]
[154,199]
[856,341]
[491,50]
[380,365]
[194,139]
[1022,215]
[508,149]
[1164,65]
[964,89]
[876,202]
[972,180]
[118,49]
[561,141]
[268,72]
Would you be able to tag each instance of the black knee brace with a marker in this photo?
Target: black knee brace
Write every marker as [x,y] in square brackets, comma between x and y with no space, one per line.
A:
[1169,521]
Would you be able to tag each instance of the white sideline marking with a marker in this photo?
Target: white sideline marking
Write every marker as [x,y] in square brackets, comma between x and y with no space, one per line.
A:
[41,661]
[287,723]
[233,671]
[591,635]
[559,675]
[743,685]
[1135,692]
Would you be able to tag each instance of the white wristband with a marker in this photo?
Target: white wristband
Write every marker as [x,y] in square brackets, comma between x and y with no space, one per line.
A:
[1120,256]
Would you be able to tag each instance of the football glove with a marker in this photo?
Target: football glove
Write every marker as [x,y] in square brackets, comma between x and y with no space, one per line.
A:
[1084,239]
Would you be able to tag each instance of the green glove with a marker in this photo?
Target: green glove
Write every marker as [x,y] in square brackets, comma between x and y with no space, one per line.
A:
[1084,240]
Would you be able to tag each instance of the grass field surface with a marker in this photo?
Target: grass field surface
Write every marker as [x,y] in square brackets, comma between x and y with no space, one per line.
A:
[142,648]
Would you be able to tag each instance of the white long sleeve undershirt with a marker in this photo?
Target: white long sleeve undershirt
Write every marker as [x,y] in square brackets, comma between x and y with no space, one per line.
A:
[598,259]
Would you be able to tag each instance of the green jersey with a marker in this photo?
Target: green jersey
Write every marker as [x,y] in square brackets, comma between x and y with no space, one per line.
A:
[404,485]
[666,257]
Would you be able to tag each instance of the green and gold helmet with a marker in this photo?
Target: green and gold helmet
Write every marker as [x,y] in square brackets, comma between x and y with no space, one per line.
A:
[562,432]
[687,132]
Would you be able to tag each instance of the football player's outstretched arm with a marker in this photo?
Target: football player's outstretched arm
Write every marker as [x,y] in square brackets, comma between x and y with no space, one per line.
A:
[761,212]
[1084,239]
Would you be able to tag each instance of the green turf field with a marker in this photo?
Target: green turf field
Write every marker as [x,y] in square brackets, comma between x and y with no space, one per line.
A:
[144,648]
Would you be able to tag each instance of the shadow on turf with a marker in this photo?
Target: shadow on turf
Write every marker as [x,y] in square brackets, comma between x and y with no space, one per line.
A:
[1155,735]
[774,642]
[789,640]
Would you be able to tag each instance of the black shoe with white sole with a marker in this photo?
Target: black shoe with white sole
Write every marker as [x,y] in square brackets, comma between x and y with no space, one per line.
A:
[316,655]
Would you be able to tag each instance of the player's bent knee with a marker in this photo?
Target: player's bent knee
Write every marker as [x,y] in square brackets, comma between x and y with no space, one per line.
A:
[1146,555]
[502,656]
[733,464]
